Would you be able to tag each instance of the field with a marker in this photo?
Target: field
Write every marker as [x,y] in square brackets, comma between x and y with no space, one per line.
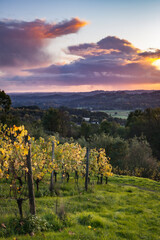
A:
[125,208]
[117,113]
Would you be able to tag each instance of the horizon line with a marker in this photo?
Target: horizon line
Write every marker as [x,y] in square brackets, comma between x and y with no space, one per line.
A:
[125,90]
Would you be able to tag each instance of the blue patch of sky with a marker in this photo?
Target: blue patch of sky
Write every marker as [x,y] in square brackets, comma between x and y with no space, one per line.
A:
[137,21]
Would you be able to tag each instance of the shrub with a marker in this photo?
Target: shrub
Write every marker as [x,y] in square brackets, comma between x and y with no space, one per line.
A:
[53,221]
[30,224]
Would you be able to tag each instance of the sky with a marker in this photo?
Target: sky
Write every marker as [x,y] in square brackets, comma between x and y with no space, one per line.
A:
[61,46]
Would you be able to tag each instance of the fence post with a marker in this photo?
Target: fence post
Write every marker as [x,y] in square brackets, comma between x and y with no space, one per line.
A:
[51,183]
[30,183]
[87,169]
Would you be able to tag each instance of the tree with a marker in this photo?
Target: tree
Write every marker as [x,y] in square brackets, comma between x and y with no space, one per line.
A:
[51,120]
[139,159]
[148,124]
[5,101]
[116,148]
[85,129]
[110,128]
[55,120]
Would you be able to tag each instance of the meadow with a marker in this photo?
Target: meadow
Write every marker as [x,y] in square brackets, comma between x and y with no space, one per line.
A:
[123,114]
[125,208]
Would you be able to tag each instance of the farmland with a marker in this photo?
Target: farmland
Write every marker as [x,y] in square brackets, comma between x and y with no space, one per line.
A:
[123,114]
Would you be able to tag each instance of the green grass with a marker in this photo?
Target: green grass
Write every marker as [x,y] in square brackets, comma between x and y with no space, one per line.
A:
[126,208]
[117,113]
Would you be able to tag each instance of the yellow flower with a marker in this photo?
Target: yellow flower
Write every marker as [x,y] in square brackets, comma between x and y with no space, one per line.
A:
[89,227]
[7,176]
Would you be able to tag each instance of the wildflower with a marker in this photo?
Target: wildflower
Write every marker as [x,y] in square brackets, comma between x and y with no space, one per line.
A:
[7,176]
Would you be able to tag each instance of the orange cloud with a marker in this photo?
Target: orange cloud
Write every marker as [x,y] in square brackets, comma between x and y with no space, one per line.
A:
[41,29]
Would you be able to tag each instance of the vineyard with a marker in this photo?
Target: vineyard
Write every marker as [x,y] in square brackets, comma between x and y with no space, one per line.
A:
[69,193]
[22,156]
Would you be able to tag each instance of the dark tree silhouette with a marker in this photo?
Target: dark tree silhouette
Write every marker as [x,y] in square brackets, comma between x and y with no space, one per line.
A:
[5,101]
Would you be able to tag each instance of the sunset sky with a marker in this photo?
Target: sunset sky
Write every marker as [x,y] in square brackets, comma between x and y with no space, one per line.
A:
[70,45]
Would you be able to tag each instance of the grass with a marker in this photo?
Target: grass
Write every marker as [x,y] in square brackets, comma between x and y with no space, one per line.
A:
[126,208]
[117,113]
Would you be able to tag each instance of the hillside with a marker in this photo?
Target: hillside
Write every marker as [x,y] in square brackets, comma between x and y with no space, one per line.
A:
[96,100]
[126,208]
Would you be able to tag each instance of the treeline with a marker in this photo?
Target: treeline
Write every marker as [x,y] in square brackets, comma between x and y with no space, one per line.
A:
[97,100]
[40,123]
[128,156]
[133,146]
[67,122]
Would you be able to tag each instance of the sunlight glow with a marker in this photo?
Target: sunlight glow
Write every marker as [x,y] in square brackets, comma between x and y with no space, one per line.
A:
[157,64]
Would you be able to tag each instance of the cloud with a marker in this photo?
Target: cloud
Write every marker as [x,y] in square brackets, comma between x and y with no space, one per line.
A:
[109,62]
[122,45]
[155,53]
[95,71]
[86,50]
[107,45]
[22,43]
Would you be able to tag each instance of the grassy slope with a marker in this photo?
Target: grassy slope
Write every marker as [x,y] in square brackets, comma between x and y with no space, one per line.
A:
[126,208]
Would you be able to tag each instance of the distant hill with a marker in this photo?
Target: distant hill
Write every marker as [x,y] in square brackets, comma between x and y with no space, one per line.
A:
[96,100]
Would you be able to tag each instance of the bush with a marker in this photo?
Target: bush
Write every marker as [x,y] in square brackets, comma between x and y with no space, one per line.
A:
[53,221]
[139,159]
[30,224]
[33,224]
[116,148]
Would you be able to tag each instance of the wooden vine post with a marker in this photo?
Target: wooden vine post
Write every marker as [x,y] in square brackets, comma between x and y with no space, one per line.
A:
[30,183]
[51,183]
[87,169]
